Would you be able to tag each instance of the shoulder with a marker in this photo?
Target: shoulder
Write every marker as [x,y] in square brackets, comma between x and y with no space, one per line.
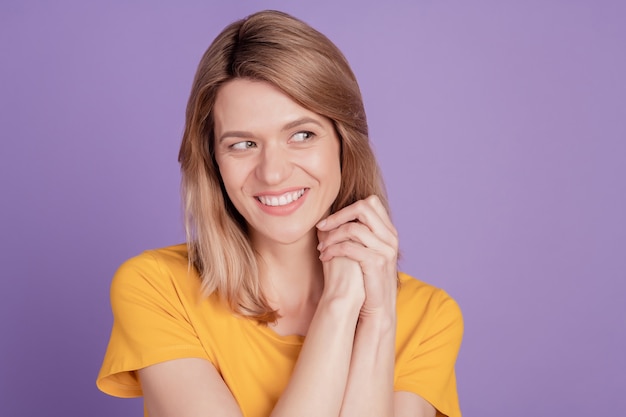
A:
[425,306]
[175,255]
[170,258]
[414,290]
[155,303]
[428,337]
[156,272]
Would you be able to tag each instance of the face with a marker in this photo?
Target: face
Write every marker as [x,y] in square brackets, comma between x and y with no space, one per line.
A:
[279,161]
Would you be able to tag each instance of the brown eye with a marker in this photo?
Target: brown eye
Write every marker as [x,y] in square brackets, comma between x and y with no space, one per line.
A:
[240,146]
[303,136]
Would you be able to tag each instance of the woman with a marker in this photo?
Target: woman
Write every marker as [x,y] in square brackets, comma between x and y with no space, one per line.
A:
[286,300]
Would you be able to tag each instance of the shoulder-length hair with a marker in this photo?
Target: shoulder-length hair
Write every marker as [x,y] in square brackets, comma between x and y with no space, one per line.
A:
[279,49]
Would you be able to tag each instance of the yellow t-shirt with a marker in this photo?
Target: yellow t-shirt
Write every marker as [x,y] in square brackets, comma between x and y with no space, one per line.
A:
[160,314]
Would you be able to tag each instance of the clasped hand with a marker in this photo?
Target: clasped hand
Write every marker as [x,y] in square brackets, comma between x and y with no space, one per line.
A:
[359,243]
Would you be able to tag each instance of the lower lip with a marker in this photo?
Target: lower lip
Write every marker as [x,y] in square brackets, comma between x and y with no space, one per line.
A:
[285,210]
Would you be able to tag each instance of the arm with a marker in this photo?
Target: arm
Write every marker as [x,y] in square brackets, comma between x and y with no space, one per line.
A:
[317,385]
[186,388]
[363,232]
[371,370]
[371,376]
[192,387]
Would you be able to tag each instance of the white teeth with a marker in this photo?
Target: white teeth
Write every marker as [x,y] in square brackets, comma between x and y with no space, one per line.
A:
[282,200]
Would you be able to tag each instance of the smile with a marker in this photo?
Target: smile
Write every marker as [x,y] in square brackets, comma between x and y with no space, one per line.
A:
[280,200]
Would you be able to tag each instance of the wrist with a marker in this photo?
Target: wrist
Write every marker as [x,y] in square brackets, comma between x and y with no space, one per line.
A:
[339,305]
[379,322]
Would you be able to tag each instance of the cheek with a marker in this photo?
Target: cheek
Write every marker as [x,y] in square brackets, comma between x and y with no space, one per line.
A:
[235,176]
[324,163]
[232,185]
[227,174]
[334,162]
[330,165]
[230,180]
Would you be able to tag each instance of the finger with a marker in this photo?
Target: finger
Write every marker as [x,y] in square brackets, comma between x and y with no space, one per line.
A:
[370,260]
[359,210]
[375,237]
[322,235]
[370,212]
[352,231]
[377,205]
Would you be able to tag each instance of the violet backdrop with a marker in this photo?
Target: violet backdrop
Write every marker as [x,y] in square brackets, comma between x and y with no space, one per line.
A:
[500,127]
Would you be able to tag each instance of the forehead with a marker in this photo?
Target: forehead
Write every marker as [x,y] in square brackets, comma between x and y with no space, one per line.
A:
[249,105]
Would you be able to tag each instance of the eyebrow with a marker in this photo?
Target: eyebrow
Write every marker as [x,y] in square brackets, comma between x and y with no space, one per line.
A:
[288,126]
[301,121]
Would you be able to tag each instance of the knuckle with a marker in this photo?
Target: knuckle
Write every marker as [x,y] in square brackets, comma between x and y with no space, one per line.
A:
[352,228]
[375,202]
[379,261]
[392,254]
[348,246]
[373,199]
[336,247]
[360,205]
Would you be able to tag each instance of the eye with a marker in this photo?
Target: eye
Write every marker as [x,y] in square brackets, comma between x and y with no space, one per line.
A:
[243,145]
[303,136]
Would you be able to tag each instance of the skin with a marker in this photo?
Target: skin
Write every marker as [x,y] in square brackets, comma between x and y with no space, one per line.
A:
[266,146]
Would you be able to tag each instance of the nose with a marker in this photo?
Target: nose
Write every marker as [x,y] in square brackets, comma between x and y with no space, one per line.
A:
[274,165]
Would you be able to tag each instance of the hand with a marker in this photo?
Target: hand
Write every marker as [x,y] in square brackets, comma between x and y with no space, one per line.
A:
[364,233]
[343,280]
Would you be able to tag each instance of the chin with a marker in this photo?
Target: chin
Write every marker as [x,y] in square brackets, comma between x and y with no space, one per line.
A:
[286,237]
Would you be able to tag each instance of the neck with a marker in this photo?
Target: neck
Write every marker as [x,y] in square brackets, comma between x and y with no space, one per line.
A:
[291,274]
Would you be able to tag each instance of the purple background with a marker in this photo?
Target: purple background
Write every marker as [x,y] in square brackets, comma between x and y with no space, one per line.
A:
[501,130]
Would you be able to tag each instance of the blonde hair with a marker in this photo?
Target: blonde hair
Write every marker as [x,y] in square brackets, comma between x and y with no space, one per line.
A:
[279,49]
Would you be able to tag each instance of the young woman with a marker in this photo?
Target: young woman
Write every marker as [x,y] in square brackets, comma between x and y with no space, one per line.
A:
[286,300]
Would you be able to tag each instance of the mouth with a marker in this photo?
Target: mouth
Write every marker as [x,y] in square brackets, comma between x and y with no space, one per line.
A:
[280,200]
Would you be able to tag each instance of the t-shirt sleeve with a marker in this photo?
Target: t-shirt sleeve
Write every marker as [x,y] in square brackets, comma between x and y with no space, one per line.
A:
[150,325]
[429,369]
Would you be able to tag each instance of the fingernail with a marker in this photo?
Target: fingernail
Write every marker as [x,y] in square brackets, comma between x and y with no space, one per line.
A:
[320,246]
[322,223]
